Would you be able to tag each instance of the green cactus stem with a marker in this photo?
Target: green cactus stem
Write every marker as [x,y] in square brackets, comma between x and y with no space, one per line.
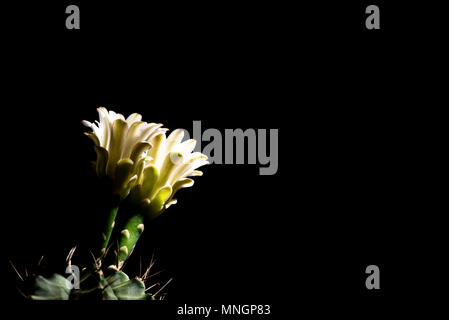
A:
[54,288]
[106,235]
[129,236]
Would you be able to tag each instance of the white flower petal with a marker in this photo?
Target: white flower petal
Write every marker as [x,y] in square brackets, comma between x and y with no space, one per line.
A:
[186,147]
[174,138]
[87,123]
[157,152]
[134,117]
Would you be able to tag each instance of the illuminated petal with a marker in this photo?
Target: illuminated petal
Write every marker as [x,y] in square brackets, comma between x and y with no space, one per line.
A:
[87,123]
[157,203]
[183,183]
[172,160]
[105,127]
[134,117]
[157,152]
[122,175]
[149,130]
[193,173]
[118,128]
[139,149]
[174,138]
[150,176]
[187,146]
[170,203]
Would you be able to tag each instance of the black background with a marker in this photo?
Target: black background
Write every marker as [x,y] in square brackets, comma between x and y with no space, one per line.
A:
[347,193]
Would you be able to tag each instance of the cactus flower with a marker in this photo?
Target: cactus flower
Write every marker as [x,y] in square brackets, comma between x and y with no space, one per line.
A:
[146,168]
[164,171]
[121,145]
